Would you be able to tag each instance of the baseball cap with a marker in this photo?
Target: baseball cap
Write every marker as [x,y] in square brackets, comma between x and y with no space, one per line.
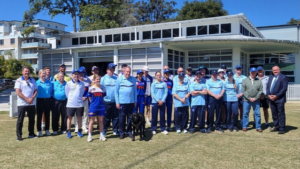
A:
[139,71]
[198,72]
[74,71]
[220,70]
[94,67]
[213,72]
[224,67]
[260,68]
[166,70]
[181,75]
[146,68]
[229,74]
[111,65]
[238,67]
[203,67]
[62,65]
[253,69]
[81,68]
[189,68]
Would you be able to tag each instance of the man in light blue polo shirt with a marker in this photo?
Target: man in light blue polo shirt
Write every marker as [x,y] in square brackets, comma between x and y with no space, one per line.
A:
[126,97]
[112,114]
[185,80]
[215,92]
[26,91]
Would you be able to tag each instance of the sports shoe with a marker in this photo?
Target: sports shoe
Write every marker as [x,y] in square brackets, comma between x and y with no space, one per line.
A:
[220,130]
[40,134]
[208,130]
[47,133]
[170,129]
[224,126]
[19,138]
[85,130]
[281,132]
[165,132]
[148,123]
[191,131]
[268,126]
[116,133]
[259,130]
[102,137]
[32,136]
[178,131]
[54,133]
[230,130]
[203,131]
[188,125]
[130,136]
[79,134]
[64,132]
[235,130]
[69,134]
[185,131]
[244,129]
[89,139]
[153,132]
[76,130]
[121,137]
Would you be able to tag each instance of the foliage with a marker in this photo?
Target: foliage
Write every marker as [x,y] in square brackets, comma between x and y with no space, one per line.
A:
[11,67]
[26,32]
[201,9]
[293,21]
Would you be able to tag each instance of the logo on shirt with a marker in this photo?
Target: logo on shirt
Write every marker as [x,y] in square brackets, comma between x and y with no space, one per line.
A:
[98,94]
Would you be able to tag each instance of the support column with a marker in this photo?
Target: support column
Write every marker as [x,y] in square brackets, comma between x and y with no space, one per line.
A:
[116,59]
[297,67]
[236,57]
[186,60]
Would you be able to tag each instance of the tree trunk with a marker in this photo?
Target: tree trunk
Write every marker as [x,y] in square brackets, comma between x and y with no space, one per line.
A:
[74,23]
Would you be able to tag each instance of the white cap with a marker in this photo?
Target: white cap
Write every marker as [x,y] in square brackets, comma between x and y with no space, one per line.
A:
[146,68]
[220,70]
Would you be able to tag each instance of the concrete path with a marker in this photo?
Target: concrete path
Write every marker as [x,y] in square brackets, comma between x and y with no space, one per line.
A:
[4,99]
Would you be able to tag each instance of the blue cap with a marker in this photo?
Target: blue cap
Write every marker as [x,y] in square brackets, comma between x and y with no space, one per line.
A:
[224,67]
[253,69]
[260,68]
[139,71]
[94,67]
[198,72]
[111,65]
[229,74]
[213,72]
[74,71]
[166,70]
[203,67]
[82,68]
[181,75]
[238,67]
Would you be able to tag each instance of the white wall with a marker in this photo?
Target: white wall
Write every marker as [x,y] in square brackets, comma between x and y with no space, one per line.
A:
[284,33]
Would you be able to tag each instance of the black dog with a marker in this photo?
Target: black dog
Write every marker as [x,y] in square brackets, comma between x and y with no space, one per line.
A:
[138,125]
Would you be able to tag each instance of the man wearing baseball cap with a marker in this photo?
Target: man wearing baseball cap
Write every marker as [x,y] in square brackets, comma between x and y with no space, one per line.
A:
[166,67]
[148,79]
[95,71]
[238,77]
[224,67]
[123,69]
[221,76]
[62,69]
[169,99]
[252,89]
[215,90]
[204,78]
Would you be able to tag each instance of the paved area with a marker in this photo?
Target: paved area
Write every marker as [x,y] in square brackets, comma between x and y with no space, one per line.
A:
[4,99]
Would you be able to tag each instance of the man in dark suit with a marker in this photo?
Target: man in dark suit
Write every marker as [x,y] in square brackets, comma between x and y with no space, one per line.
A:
[276,92]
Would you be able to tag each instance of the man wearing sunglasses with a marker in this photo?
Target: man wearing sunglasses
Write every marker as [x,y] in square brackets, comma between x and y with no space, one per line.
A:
[26,91]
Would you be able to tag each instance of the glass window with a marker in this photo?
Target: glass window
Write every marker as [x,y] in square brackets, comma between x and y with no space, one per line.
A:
[181,53]
[167,33]
[213,29]
[257,56]
[214,65]
[246,32]
[190,31]
[204,53]
[175,32]
[176,65]
[202,30]
[257,61]
[125,37]
[193,53]
[241,29]
[226,28]
[12,41]
[204,59]
[176,52]
[181,59]
[147,35]
[133,36]
[291,79]
[170,51]
[100,39]
[156,34]
[176,58]
[226,51]
[170,64]
[223,58]
[193,59]
[287,72]
[90,40]
[108,38]
[170,57]
[117,37]
[195,66]
[215,58]
[74,41]
[82,40]
[227,64]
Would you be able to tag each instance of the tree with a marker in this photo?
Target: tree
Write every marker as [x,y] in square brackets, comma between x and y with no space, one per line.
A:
[26,32]
[55,7]
[200,9]
[293,21]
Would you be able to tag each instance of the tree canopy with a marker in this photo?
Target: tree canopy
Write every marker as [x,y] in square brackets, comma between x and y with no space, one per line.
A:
[293,21]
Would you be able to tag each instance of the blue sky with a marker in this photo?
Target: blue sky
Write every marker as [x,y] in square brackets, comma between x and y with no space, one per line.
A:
[259,12]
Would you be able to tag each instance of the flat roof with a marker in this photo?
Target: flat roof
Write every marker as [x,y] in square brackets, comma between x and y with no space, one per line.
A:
[34,21]
[272,26]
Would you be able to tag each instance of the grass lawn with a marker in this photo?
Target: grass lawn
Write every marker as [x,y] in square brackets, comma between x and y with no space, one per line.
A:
[228,150]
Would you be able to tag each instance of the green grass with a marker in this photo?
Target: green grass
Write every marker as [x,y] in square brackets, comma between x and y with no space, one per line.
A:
[227,150]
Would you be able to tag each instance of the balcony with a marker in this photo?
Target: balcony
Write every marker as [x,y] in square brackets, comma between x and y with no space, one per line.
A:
[30,56]
[36,45]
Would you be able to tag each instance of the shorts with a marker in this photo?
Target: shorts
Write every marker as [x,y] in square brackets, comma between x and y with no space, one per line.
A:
[97,113]
[241,102]
[148,100]
[264,103]
[72,111]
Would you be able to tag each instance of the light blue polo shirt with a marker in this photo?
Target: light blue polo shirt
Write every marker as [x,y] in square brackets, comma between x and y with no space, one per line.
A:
[185,80]
[215,87]
[27,88]
[239,81]
[230,92]
[125,91]
[198,100]
[44,89]
[59,90]
[181,91]
[159,91]
[109,82]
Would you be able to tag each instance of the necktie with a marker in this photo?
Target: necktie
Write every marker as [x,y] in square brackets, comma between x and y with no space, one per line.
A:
[272,87]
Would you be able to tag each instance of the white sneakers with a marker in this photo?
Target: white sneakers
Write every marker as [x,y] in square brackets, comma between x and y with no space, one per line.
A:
[102,137]
[178,131]
[47,133]
[85,130]
[76,130]
[64,132]
[89,139]
[40,134]
[185,131]
[165,132]
[153,132]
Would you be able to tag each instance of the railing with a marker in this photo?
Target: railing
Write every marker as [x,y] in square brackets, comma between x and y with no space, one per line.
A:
[293,92]
[35,44]
[29,55]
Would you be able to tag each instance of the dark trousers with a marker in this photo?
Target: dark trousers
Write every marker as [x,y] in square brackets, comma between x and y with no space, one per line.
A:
[21,114]
[232,109]
[162,121]
[125,112]
[112,114]
[169,105]
[278,115]
[43,106]
[59,109]
[214,104]
[195,112]
[181,117]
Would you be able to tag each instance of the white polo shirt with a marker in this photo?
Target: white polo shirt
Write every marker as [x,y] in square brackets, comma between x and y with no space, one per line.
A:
[27,89]
[74,92]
